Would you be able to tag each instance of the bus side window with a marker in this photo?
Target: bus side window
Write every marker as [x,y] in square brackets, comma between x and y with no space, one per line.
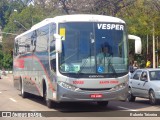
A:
[16,49]
[34,41]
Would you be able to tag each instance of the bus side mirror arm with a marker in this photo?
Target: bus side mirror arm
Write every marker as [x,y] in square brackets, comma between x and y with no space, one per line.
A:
[138,43]
[58,43]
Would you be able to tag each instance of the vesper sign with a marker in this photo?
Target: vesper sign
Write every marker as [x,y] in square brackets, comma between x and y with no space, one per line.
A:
[110,26]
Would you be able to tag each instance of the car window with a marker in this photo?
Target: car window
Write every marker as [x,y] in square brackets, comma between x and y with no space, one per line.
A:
[144,76]
[154,75]
[137,75]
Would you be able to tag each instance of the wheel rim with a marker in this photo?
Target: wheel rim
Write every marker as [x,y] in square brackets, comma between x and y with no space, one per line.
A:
[152,98]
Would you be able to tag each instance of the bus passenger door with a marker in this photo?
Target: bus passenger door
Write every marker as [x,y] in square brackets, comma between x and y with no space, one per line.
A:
[52,54]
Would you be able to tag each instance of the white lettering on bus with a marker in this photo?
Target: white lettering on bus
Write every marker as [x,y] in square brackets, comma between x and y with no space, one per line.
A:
[110,26]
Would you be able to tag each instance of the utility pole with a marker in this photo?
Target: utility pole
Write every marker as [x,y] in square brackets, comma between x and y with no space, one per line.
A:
[154,65]
[147,46]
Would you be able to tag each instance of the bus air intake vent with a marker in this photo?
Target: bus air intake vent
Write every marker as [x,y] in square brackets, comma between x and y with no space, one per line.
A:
[93,89]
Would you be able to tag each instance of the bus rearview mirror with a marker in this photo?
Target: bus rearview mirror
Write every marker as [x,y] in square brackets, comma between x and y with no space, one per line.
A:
[58,43]
[138,43]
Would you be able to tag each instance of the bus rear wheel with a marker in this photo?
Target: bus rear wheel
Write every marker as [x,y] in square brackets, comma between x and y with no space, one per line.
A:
[102,103]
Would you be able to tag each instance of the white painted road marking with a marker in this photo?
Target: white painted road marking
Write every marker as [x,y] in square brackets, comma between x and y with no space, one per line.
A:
[127,108]
[13,99]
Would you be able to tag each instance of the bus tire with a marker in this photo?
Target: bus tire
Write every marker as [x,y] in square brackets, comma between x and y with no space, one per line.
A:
[48,102]
[102,103]
[23,93]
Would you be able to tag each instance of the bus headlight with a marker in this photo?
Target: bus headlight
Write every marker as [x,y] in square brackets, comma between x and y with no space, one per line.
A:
[68,86]
[120,86]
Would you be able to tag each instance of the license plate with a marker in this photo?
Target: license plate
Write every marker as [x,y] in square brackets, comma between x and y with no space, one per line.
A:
[96,95]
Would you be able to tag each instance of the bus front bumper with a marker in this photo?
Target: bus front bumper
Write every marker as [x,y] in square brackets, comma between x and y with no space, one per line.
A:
[64,95]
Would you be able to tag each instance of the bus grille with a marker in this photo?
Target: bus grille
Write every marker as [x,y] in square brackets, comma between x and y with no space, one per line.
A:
[93,89]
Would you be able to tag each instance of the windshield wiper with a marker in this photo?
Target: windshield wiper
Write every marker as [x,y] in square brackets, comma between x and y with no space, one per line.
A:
[111,66]
[70,56]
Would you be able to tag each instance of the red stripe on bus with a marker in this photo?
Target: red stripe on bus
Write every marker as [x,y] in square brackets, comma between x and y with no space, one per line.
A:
[27,77]
[19,63]
[35,57]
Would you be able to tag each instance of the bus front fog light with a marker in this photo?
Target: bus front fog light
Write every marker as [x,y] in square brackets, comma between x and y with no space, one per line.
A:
[67,86]
[122,85]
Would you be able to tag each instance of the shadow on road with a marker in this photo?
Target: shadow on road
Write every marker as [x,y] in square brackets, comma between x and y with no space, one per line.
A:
[74,107]
[91,109]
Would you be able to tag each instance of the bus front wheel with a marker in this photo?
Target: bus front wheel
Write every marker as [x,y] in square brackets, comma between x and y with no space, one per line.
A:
[48,102]
[23,93]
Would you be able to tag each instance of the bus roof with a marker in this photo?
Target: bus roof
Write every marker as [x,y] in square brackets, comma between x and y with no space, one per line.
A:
[74,18]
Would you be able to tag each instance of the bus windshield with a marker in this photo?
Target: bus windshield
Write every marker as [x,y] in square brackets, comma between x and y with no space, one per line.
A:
[93,48]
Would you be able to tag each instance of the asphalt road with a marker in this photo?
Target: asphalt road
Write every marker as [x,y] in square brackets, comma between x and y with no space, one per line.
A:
[10,100]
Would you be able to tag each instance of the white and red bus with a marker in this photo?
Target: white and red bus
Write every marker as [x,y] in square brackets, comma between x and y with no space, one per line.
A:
[58,59]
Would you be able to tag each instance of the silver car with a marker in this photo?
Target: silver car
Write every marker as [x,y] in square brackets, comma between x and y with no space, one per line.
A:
[145,83]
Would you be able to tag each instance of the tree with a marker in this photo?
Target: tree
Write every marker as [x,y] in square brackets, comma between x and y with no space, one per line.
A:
[3,9]
[140,17]
[7,61]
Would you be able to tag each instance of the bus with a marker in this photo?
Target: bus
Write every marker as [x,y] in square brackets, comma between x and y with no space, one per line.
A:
[57,59]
